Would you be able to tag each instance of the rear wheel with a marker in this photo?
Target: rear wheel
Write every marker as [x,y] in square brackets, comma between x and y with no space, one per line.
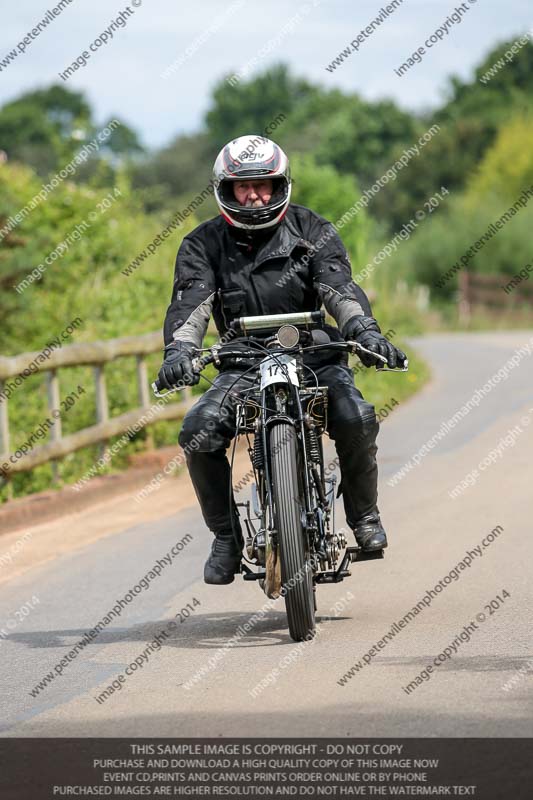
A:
[296,572]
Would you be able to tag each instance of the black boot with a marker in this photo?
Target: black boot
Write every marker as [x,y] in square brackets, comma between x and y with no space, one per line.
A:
[369,533]
[224,559]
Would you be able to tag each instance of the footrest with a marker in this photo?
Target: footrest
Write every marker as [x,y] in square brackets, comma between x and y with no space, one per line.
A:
[361,555]
[332,577]
[250,575]
[353,555]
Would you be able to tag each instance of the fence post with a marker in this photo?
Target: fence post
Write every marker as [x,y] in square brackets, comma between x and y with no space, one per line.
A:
[52,385]
[4,434]
[144,394]
[102,407]
[464,297]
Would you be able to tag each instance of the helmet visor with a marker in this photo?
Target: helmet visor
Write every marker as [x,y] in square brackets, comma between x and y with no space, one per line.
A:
[280,187]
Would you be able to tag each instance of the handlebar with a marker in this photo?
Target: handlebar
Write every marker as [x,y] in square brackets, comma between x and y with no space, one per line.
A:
[217,355]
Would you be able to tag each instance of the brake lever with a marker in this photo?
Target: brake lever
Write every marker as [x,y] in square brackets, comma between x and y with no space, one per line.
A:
[358,348]
[405,368]
[158,393]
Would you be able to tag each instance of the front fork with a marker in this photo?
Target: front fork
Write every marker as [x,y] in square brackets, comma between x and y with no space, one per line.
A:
[318,518]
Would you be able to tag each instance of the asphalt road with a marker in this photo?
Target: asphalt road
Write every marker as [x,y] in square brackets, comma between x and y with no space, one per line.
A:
[429,533]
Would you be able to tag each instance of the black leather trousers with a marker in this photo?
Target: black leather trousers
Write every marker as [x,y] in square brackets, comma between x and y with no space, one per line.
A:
[209,427]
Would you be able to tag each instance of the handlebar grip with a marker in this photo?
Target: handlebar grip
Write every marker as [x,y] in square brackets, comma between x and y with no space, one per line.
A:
[198,365]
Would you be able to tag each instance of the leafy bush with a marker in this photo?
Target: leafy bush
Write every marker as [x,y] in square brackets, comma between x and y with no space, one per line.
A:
[85,281]
[507,167]
[323,190]
[430,255]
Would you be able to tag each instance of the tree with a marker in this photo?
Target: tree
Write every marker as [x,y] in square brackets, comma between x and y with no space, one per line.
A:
[65,109]
[29,137]
[123,142]
[469,122]
[337,128]
[250,106]
[362,135]
[173,176]
[491,93]
[448,159]
[44,127]
[507,168]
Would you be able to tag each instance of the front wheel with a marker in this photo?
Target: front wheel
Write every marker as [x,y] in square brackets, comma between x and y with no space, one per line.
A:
[296,572]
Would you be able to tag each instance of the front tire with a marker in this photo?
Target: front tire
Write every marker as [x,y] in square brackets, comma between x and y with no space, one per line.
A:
[296,572]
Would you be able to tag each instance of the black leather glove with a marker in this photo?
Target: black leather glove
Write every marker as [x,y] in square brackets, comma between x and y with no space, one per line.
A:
[177,366]
[366,332]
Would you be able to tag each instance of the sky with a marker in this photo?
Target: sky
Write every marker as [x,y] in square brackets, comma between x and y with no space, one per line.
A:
[205,40]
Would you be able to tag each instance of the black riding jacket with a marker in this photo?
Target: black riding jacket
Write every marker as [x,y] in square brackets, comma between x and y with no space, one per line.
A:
[230,272]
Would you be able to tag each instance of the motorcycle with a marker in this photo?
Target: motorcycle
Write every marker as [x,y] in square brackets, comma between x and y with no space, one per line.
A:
[291,542]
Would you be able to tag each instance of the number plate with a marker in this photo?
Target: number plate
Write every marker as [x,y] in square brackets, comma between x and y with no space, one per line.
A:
[281,369]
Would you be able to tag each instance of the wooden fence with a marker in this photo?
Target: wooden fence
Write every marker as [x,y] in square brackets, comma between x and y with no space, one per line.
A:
[501,292]
[94,354]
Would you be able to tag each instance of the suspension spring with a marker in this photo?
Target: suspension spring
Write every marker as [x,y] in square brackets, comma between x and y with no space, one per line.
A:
[258,456]
[312,445]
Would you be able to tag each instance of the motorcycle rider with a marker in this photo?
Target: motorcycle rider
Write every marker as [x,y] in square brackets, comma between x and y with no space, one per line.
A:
[266,255]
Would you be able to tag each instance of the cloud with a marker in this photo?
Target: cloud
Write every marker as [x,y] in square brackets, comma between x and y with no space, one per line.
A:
[123,79]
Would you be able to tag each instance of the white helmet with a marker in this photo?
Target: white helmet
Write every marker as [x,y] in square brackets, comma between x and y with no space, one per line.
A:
[252,158]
